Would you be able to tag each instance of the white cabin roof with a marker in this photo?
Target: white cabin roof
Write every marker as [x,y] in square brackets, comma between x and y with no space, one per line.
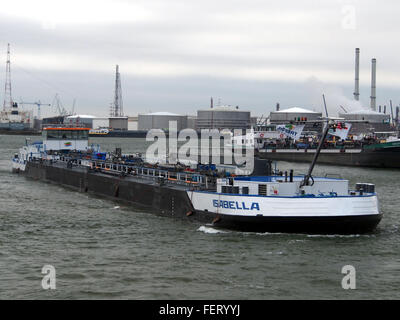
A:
[161,113]
[82,116]
[296,110]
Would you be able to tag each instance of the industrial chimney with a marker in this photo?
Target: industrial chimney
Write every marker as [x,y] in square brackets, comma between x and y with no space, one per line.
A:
[277,106]
[373,85]
[357,76]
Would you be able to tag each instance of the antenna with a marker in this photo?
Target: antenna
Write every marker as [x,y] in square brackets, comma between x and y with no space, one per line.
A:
[8,102]
[326,110]
[357,76]
[117,107]
[343,108]
[391,111]
[73,107]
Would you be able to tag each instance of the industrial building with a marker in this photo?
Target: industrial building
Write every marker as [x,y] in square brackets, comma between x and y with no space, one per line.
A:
[366,115]
[374,121]
[132,123]
[223,117]
[80,120]
[293,115]
[160,120]
[118,123]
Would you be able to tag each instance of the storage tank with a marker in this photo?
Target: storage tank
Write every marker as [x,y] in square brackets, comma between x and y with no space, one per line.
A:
[297,115]
[160,120]
[223,117]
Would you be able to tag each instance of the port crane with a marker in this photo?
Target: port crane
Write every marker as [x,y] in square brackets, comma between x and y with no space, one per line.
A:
[38,104]
[58,106]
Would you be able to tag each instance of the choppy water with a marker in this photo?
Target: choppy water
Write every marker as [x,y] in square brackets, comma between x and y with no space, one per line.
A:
[104,249]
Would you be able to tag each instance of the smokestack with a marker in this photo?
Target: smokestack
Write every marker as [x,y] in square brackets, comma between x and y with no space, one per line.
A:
[380,109]
[277,106]
[357,76]
[384,109]
[373,85]
[212,103]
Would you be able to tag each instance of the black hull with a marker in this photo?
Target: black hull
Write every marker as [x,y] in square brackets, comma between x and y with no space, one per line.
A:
[122,134]
[174,202]
[371,158]
[311,225]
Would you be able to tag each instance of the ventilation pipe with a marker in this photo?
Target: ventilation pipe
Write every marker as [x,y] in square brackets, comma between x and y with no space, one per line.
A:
[357,76]
[373,85]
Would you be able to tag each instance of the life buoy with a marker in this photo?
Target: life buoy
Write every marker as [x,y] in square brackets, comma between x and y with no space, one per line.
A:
[281,135]
[261,135]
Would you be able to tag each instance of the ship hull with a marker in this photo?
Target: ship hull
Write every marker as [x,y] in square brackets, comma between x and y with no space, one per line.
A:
[310,225]
[384,158]
[178,202]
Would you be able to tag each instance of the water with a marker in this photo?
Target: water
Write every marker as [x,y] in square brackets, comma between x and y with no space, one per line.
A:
[106,250]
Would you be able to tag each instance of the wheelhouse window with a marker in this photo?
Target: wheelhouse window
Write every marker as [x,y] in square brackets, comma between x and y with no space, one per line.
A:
[82,134]
[65,134]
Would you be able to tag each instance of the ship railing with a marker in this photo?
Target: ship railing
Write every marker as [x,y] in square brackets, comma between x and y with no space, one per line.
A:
[161,175]
[194,180]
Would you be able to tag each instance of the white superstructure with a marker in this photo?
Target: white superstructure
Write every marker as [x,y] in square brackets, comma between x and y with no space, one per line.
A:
[277,196]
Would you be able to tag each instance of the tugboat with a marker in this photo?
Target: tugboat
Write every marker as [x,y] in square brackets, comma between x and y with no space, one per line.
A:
[266,203]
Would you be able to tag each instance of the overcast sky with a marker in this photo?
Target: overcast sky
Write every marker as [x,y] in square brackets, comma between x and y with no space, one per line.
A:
[174,55]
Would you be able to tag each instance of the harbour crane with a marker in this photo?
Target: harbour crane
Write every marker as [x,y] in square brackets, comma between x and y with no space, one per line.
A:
[58,106]
[38,104]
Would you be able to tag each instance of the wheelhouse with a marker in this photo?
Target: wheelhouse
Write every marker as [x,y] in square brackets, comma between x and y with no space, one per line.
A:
[58,138]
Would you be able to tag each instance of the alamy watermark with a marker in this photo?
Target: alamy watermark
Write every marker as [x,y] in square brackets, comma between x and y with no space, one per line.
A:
[349,280]
[209,146]
[349,17]
[49,280]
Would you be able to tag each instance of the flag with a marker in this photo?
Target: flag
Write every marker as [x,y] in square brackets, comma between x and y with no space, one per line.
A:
[342,130]
[290,130]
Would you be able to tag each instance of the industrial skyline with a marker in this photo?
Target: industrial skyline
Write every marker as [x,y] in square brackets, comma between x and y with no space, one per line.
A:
[173,57]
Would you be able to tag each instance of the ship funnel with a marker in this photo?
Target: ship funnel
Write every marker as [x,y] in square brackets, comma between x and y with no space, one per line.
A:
[357,76]
[373,85]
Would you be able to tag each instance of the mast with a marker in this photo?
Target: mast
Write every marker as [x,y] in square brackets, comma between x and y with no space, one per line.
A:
[357,76]
[318,151]
[8,102]
[373,84]
[117,106]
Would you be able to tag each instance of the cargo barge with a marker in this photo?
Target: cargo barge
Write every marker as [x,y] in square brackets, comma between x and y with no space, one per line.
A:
[379,155]
[289,203]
